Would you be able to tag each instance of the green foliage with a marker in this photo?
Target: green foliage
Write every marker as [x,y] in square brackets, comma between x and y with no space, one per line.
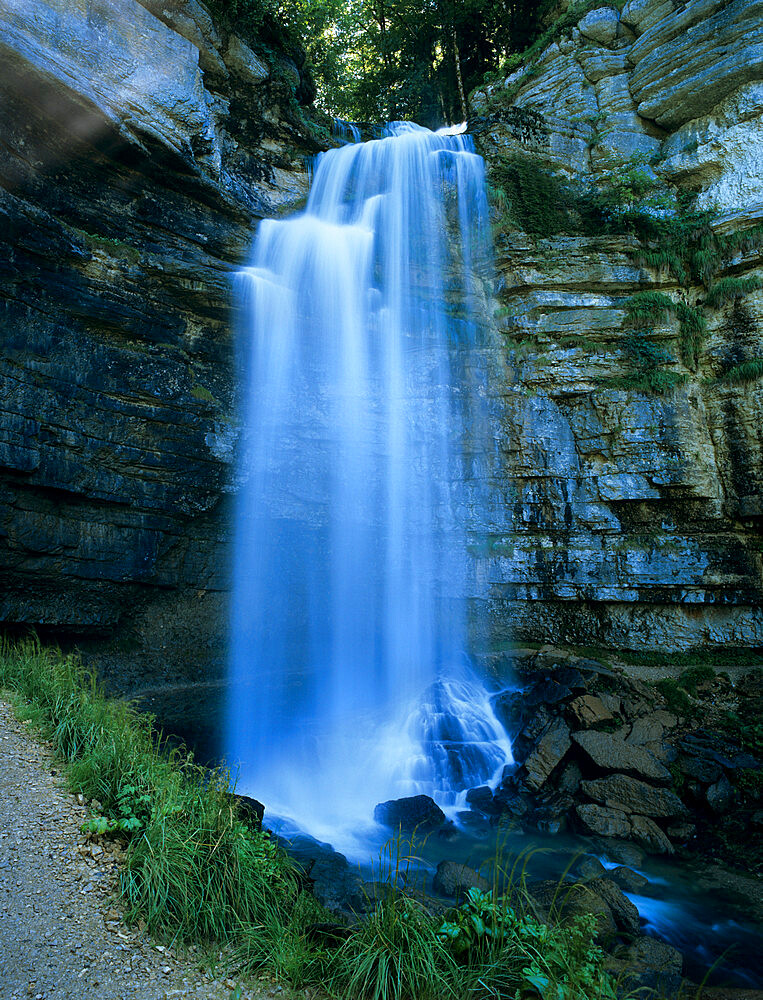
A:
[728,289]
[676,699]
[395,954]
[203,394]
[648,366]
[514,955]
[131,813]
[555,30]
[749,783]
[747,371]
[648,307]
[193,868]
[679,779]
[691,678]
[676,691]
[531,198]
[655,307]
[747,731]
[480,924]
[725,656]
[692,333]
[630,198]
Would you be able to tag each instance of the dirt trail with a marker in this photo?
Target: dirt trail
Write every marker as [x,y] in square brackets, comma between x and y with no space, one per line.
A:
[62,936]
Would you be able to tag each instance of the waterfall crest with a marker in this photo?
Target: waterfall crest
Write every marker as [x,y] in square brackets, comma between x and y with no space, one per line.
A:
[351,679]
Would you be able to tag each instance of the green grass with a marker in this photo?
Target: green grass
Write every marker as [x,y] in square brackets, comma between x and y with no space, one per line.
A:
[196,872]
[746,371]
[721,657]
[728,289]
[193,868]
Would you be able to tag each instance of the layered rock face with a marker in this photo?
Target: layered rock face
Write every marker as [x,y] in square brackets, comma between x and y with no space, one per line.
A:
[637,514]
[140,144]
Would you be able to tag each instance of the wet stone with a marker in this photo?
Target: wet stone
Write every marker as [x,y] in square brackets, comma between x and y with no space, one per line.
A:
[620,791]
[610,752]
[409,813]
[589,710]
[627,879]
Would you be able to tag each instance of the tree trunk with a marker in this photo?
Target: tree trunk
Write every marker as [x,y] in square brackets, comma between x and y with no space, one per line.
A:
[459,77]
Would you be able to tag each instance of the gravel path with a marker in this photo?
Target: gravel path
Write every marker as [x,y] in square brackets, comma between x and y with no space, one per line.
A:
[62,936]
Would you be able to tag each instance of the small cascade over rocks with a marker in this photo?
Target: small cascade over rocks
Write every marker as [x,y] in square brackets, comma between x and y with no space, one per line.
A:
[365,462]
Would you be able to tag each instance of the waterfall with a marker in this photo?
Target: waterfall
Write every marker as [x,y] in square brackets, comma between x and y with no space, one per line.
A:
[364,420]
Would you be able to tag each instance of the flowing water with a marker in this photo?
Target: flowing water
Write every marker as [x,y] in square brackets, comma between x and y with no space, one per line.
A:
[365,463]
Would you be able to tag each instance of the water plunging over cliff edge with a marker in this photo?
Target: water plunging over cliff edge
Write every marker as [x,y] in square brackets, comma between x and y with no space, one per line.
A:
[364,464]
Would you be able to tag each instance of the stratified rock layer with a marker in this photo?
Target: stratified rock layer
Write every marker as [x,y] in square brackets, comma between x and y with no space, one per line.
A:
[138,151]
[141,142]
[637,516]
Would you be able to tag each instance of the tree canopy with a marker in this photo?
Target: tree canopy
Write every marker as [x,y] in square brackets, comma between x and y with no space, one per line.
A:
[383,60]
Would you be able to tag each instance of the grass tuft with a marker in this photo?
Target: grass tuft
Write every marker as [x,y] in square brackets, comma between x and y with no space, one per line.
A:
[193,868]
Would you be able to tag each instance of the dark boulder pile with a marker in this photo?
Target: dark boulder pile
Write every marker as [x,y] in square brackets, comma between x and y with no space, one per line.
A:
[603,753]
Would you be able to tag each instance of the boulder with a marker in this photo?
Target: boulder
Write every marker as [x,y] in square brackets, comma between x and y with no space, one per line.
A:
[548,752]
[604,821]
[623,853]
[600,25]
[647,729]
[655,965]
[482,799]
[571,678]
[646,832]
[509,708]
[619,791]
[701,769]
[611,752]
[569,780]
[627,879]
[624,912]
[589,710]
[563,900]
[720,795]
[511,801]
[681,831]
[414,812]
[681,74]
[534,724]
[250,810]
[550,816]
[590,867]
[546,692]
[334,882]
[454,880]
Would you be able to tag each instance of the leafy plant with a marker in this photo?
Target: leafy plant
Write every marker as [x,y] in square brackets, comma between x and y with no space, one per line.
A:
[728,289]
[676,699]
[515,955]
[693,676]
[131,813]
[746,371]
[479,922]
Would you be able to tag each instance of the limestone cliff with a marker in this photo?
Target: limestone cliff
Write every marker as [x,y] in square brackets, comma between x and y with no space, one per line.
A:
[638,507]
[140,143]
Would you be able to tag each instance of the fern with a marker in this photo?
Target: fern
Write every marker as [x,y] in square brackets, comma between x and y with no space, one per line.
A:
[728,289]
[693,331]
[747,371]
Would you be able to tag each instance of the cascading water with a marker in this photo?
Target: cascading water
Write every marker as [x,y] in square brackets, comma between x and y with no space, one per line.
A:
[364,422]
